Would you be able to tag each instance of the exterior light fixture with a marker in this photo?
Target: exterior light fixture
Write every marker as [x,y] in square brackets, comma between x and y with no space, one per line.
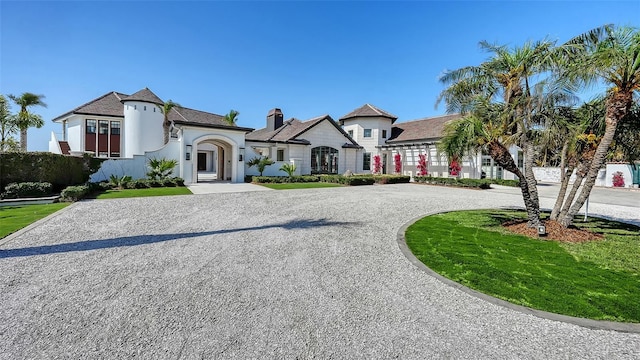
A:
[542,231]
[188,153]
[240,154]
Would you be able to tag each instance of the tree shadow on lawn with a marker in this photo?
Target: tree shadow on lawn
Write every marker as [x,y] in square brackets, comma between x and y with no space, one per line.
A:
[150,239]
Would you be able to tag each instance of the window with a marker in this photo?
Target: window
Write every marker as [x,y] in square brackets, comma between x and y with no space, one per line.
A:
[145,108]
[350,133]
[366,161]
[103,127]
[115,128]
[367,133]
[280,155]
[91,126]
[384,134]
[324,160]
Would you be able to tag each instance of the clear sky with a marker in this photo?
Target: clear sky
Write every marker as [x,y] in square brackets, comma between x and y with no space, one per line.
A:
[307,58]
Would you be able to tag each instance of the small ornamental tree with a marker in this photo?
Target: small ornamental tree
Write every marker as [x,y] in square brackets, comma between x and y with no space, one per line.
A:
[397,161]
[454,168]
[377,165]
[260,162]
[422,165]
[618,179]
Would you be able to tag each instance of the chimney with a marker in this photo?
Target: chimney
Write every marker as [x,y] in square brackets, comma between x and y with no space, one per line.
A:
[275,118]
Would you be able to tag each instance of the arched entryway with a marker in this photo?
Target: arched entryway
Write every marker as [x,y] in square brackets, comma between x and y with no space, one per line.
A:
[213,159]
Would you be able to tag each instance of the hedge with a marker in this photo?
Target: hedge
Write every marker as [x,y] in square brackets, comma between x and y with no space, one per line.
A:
[468,183]
[27,190]
[59,170]
[392,179]
[284,179]
[75,193]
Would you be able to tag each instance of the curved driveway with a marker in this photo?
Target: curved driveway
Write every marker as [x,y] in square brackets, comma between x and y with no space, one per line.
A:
[276,274]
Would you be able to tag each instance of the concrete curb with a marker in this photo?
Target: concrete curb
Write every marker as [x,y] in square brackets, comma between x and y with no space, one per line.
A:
[588,323]
[28,228]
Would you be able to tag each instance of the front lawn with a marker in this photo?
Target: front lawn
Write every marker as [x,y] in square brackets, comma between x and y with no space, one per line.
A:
[129,193]
[14,218]
[597,279]
[310,185]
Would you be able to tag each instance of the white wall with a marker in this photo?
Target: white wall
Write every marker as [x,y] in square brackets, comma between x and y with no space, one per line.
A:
[54,145]
[136,167]
[626,171]
[142,129]
[376,124]
[75,132]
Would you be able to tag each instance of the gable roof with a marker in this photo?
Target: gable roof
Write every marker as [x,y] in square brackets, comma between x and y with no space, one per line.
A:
[106,105]
[368,110]
[422,129]
[292,129]
[145,95]
[186,116]
[110,104]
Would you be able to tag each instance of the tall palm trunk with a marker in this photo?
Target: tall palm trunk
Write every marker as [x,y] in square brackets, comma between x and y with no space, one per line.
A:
[166,126]
[23,139]
[565,176]
[502,157]
[618,106]
[530,177]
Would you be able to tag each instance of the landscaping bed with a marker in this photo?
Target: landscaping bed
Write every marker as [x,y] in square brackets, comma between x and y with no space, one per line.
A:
[596,278]
[465,183]
[353,180]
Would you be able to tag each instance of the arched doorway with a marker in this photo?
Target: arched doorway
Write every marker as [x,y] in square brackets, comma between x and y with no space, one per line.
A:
[213,159]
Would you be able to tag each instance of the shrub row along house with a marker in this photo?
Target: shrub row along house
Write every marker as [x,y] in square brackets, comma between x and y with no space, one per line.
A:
[128,130]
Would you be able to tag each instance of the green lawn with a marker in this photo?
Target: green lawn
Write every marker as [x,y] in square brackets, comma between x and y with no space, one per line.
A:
[128,193]
[14,218]
[597,280]
[309,185]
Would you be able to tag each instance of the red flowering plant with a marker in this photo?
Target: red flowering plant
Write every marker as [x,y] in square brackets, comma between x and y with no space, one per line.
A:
[454,168]
[422,165]
[397,161]
[618,179]
[377,165]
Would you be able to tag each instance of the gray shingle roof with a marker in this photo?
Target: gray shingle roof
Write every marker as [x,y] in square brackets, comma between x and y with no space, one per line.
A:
[110,104]
[422,129]
[186,116]
[292,130]
[144,95]
[106,105]
[368,110]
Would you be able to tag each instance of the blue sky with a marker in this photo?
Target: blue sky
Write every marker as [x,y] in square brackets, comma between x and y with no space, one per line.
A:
[307,58]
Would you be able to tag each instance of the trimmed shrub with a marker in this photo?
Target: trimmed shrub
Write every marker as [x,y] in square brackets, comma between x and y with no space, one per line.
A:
[59,170]
[466,183]
[169,182]
[74,193]
[392,179]
[154,183]
[514,183]
[284,179]
[178,181]
[27,190]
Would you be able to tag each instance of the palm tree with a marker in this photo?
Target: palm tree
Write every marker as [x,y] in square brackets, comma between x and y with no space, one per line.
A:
[232,117]
[260,162]
[25,119]
[7,127]
[166,124]
[609,55]
[497,94]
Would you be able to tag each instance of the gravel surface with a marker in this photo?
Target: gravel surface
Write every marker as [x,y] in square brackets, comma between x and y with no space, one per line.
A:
[277,274]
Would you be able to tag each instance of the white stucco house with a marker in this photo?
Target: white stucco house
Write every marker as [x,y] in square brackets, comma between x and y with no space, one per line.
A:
[127,131]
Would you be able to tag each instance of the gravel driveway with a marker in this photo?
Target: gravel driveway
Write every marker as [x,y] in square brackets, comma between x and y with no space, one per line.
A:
[277,274]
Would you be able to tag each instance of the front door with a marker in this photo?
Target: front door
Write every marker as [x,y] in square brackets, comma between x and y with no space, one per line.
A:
[202,161]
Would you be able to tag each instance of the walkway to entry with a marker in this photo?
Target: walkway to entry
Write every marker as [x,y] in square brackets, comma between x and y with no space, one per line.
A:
[214,187]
